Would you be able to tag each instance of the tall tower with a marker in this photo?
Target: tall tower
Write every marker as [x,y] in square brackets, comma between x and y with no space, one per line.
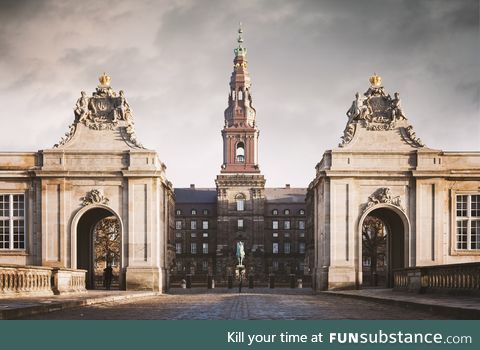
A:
[240,133]
[240,186]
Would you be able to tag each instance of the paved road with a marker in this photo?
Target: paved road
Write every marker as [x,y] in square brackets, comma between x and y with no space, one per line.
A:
[259,304]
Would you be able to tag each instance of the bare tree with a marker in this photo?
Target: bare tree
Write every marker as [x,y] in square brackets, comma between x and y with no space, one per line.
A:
[374,242]
[107,241]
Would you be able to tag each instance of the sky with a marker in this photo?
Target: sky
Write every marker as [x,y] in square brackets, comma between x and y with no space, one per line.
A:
[174,58]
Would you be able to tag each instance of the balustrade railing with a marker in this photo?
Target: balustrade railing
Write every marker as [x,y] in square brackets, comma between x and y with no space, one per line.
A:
[455,278]
[39,280]
[28,279]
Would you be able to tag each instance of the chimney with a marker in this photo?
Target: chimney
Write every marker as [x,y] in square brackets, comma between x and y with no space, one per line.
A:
[192,186]
[287,185]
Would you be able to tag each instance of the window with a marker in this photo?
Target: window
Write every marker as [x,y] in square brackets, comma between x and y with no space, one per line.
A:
[193,225]
[205,265]
[286,247]
[12,221]
[178,248]
[205,211]
[286,235]
[178,234]
[275,265]
[193,248]
[275,248]
[178,212]
[468,222]
[240,153]
[301,225]
[205,248]
[301,212]
[274,212]
[275,225]
[193,235]
[301,248]
[301,234]
[179,266]
[286,212]
[240,199]
[286,224]
[240,223]
[205,225]
[366,261]
[275,234]
[178,224]
[205,235]
[194,212]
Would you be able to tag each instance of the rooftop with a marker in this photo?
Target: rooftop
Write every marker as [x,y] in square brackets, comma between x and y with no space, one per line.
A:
[209,195]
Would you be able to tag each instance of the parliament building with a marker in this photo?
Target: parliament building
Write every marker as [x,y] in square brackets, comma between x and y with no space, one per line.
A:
[383,209]
[269,221]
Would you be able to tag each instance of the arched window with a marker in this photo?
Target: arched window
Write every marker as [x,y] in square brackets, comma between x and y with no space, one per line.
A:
[240,200]
[274,212]
[240,95]
[240,152]
[286,212]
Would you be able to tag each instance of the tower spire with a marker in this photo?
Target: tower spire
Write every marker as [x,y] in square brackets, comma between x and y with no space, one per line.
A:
[240,134]
[240,50]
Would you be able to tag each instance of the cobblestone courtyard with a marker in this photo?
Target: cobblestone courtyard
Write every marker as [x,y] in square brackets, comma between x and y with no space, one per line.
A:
[252,304]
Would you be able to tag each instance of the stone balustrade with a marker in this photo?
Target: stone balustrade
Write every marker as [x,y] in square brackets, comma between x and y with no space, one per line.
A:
[455,278]
[67,281]
[16,281]
[25,280]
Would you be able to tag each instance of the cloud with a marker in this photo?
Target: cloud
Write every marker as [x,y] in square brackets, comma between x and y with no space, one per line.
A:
[306,58]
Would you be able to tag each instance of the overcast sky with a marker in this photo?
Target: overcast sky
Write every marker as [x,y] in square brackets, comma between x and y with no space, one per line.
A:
[174,59]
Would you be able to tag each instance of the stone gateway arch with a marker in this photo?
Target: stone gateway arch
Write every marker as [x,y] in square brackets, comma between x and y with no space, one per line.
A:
[421,203]
[98,170]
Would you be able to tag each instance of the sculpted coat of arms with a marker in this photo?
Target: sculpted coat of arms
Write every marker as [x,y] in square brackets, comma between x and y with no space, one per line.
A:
[377,111]
[104,110]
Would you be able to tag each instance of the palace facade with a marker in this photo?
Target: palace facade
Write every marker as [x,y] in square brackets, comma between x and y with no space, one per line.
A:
[96,198]
[269,221]
[382,204]
[382,201]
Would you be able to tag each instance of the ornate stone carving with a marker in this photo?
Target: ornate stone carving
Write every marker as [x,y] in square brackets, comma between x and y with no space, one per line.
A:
[397,112]
[68,135]
[358,109]
[104,110]
[378,111]
[94,197]
[410,137]
[383,195]
[348,134]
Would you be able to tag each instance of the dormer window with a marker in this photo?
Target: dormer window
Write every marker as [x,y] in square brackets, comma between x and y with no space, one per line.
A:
[240,152]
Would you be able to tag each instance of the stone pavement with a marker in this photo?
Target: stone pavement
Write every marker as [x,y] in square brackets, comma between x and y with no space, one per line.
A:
[258,303]
[13,308]
[459,307]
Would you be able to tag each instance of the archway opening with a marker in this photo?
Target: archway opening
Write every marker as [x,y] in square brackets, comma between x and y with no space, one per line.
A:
[99,249]
[383,247]
[240,152]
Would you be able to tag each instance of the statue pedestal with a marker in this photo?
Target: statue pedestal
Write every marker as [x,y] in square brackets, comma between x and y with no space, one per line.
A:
[240,271]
